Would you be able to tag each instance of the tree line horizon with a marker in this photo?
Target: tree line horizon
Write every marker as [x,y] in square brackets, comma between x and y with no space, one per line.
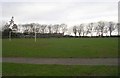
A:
[100,28]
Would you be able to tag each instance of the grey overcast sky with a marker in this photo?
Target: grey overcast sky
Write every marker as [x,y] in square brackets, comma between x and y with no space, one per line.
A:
[70,12]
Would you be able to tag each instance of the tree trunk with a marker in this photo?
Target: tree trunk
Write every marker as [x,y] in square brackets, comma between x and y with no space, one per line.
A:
[79,34]
[110,33]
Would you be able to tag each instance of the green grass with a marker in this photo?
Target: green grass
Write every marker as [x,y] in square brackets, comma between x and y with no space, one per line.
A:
[0,69]
[61,47]
[14,69]
[0,47]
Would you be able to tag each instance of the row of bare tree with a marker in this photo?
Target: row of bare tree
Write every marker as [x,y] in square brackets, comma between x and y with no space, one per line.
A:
[43,28]
[98,28]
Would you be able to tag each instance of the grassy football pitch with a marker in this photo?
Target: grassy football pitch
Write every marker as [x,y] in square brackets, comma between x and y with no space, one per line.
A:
[61,47]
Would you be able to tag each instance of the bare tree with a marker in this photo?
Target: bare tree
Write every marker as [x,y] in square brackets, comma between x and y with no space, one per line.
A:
[111,27]
[101,26]
[90,28]
[63,28]
[83,32]
[96,29]
[15,27]
[50,28]
[56,28]
[87,30]
[105,30]
[26,29]
[6,30]
[80,29]
[5,26]
[43,28]
[75,30]
[32,28]
[117,28]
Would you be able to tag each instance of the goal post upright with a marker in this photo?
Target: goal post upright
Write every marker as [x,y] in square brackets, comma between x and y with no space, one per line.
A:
[35,33]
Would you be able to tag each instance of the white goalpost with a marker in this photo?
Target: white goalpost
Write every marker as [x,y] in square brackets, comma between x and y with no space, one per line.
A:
[35,33]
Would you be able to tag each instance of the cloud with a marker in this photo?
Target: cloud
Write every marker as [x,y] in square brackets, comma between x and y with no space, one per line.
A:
[59,0]
[69,12]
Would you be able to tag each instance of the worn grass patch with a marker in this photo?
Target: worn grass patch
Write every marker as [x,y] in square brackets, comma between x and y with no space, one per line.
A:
[14,69]
[61,47]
